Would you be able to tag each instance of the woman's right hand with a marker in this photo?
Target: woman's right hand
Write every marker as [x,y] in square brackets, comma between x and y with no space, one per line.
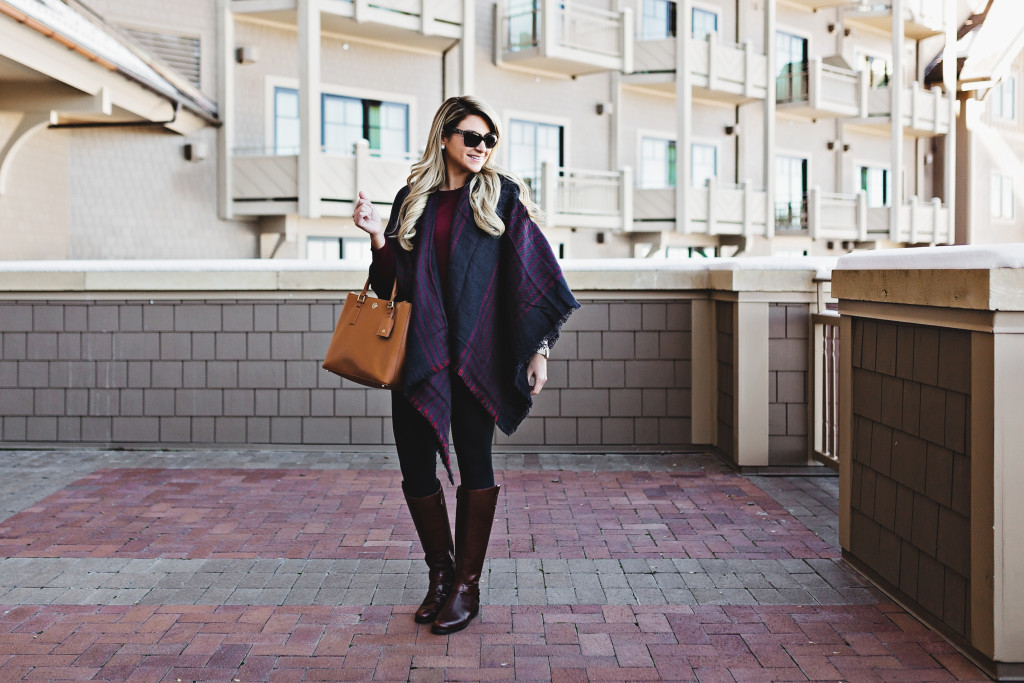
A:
[366,218]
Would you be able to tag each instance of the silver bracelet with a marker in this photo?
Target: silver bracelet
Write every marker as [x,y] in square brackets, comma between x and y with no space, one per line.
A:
[544,349]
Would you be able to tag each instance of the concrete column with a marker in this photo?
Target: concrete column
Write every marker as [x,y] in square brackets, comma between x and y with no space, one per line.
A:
[751,367]
[896,120]
[769,118]
[226,106]
[467,48]
[309,108]
[949,83]
[684,112]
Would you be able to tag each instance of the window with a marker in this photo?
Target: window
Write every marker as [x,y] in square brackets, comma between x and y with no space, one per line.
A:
[705,22]
[348,119]
[532,144]
[876,184]
[703,164]
[344,120]
[790,193]
[354,249]
[522,24]
[657,163]
[1002,196]
[878,71]
[1002,99]
[286,121]
[791,61]
[658,20]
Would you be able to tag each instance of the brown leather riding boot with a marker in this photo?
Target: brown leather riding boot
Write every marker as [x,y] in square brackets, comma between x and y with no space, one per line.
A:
[474,514]
[430,515]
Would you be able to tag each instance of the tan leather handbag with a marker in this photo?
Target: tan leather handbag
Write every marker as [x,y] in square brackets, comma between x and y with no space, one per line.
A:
[368,345]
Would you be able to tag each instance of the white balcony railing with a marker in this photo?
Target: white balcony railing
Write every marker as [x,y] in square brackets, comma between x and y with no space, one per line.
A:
[715,209]
[586,199]
[562,38]
[429,24]
[721,209]
[819,90]
[720,70]
[269,184]
[847,217]
[825,369]
[925,112]
[921,18]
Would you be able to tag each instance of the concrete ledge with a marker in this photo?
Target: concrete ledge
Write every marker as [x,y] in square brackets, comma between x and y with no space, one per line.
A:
[265,275]
[987,278]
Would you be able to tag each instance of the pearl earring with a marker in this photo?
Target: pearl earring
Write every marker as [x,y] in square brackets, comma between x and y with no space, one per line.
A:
[442,147]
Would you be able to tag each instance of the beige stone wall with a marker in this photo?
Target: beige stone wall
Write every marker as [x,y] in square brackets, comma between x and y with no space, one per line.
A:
[132,194]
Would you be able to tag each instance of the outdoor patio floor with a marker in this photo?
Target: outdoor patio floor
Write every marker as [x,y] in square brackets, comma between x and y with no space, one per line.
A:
[290,566]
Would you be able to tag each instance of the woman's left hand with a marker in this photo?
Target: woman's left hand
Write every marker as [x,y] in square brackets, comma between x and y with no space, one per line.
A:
[537,373]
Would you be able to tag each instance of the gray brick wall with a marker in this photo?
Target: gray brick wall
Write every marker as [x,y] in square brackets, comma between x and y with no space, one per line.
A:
[247,372]
[788,332]
[910,496]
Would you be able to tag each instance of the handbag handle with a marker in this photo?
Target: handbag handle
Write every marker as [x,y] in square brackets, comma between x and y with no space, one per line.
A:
[394,293]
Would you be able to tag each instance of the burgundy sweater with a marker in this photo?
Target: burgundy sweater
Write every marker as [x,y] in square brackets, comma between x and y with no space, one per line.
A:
[384,259]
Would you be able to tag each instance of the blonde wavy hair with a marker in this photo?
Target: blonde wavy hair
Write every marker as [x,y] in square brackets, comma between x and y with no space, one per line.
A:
[430,172]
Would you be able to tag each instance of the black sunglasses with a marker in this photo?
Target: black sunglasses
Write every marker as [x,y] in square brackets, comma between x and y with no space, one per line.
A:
[472,138]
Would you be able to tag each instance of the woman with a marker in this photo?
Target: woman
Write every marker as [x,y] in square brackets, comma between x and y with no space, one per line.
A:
[488,300]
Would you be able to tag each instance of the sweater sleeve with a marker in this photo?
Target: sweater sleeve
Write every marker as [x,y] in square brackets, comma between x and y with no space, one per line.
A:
[382,271]
[382,267]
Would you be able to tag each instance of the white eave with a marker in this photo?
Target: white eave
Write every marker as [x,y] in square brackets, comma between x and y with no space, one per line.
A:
[61,64]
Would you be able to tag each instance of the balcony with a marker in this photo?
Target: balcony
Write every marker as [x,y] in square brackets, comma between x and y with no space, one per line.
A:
[715,209]
[268,185]
[814,5]
[425,24]
[847,217]
[926,113]
[819,90]
[563,40]
[720,71]
[922,18]
[574,198]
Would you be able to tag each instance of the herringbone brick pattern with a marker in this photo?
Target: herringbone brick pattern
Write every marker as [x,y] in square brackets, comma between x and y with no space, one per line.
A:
[293,574]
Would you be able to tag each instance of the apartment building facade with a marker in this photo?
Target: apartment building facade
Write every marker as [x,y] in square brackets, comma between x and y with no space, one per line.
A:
[645,127]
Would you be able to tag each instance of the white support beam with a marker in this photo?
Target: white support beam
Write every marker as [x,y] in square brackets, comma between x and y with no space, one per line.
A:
[226,100]
[896,120]
[467,48]
[684,112]
[30,123]
[769,119]
[309,107]
[949,63]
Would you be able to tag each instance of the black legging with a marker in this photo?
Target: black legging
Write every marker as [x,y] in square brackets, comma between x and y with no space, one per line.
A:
[472,435]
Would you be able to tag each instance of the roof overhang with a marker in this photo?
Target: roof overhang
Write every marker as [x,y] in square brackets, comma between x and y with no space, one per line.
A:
[48,76]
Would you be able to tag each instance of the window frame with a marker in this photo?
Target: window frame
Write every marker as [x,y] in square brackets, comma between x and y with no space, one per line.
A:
[708,144]
[505,145]
[808,174]
[272,83]
[657,135]
[1001,185]
[706,9]
[887,187]
[809,50]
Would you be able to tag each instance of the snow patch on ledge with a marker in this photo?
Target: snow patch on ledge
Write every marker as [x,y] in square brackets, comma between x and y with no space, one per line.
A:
[960,257]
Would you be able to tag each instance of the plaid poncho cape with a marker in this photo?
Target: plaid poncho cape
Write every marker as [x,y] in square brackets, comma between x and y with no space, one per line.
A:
[505,296]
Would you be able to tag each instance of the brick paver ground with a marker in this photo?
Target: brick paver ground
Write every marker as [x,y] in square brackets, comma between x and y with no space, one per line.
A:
[251,566]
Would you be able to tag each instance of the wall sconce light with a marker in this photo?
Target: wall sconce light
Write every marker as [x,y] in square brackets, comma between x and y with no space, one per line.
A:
[831,28]
[604,108]
[195,151]
[600,238]
[846,32]
[246,55]
[831,144]
[732,130]
[846,148]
